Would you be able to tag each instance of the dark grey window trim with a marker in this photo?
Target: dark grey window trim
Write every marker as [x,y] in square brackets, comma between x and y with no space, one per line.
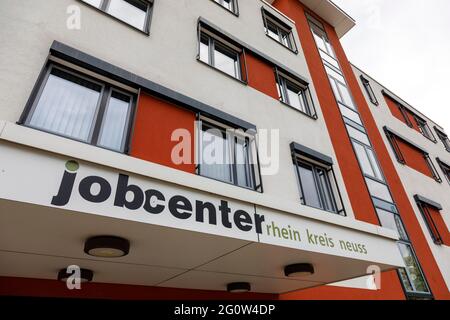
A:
[427,133]
[311,154]
[428,202]
[242,77]
[113,72]
[280,77]
[443,137]
[107,90]
[148,19]
[235,10]
[392,136]
[318,161]
[256,179]
[445,168]
[369,90]
[422,204]
[387,129]
[270,18]
[213,28]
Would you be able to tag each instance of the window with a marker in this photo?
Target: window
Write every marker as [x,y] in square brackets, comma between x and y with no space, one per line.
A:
[444,138]
[424,129]
[220,54]
[412,277]
[82,108]
[279,31]
[369,90]
[318,187]
[295,93]
[408,153]
[431,214]
[230,5]
[368,161]
[228,155]
[136,13]
[445,169]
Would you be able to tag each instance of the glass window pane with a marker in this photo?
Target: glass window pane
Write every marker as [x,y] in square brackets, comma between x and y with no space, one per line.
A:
[333,73]
[363,159]
[346,97]
[67,106]
[378,190]
[226,60]
[95,3]
[358,135]
[350,114]
[328,199]
[329,59]
[272,31]
[375,164]
[412,268]
[243,167]
[204,49]
[405,280]
[215,155]
[309,188]
[392,221]
[296,97]
[286,38]
[319,41]
[114,124]
[133,14]
[228,4]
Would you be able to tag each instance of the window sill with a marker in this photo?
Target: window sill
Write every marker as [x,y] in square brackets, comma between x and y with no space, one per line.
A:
[228,183]
[286,47]
[299,111]
[323,210]
[146,32]
[222,72]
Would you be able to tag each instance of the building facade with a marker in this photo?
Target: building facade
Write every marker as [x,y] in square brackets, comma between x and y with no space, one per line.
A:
[185,149]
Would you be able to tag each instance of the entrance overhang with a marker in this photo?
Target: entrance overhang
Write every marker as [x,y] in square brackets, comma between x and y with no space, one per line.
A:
[43,227]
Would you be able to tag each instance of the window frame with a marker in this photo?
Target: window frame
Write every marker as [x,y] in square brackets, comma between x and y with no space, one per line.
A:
[282,80]
[425,129]
[213,37]
[104,4]
[252,153]
[235,3]
[445,168]
[334,193]
[108,87]
[269,18]
[369,90]
[443,137]
[429,221]
[392,138]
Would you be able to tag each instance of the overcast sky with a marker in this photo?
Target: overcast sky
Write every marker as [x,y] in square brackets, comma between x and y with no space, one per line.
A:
[405,45]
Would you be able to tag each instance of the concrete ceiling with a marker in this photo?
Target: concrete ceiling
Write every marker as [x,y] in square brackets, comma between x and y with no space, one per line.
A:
[37,241]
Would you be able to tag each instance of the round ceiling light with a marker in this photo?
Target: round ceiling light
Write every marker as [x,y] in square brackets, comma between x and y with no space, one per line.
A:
[299,270]
[107,247]
[86,275]
[238,287]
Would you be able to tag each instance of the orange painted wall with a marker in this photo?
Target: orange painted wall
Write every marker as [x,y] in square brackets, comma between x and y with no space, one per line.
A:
[24,287]
[395,110]
[261,76]
[353,178]
[414,158]
[421,246]
[154,124]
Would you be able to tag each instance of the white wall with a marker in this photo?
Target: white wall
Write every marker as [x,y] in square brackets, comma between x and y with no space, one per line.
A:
[414,181]
[168,57]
